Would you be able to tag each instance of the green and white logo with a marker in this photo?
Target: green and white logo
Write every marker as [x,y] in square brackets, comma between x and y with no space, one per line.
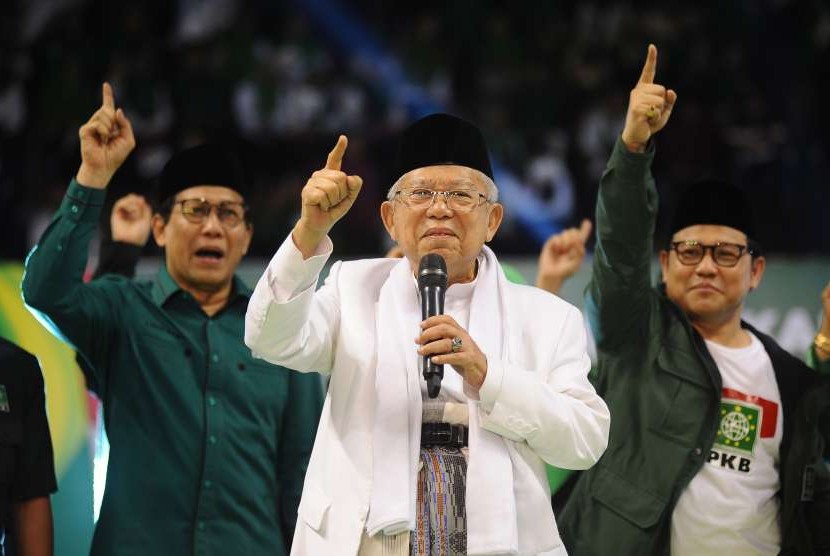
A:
[4,399]
[738,426]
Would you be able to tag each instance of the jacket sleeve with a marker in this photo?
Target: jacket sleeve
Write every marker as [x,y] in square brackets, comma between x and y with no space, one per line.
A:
[818,513]
[298,430]
[618,296]
[555,410]
[818,510]
[83,314]
[287,322]
[823,367]
[117,257]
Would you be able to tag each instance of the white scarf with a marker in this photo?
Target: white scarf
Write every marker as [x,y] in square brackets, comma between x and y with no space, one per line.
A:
[492,525]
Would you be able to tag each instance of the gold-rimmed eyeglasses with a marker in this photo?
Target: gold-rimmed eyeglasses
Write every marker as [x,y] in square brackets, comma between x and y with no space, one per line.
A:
[196,211]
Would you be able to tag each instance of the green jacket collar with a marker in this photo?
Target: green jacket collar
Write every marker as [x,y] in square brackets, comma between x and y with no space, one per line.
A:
[164,287]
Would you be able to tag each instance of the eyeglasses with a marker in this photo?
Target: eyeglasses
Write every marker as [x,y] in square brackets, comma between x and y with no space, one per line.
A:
[691,252]
[230,214]
[460,200]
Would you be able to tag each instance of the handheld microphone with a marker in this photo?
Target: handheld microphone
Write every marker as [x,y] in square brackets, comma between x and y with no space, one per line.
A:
[432,285]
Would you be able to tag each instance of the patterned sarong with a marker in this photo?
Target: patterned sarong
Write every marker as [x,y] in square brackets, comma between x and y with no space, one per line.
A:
[441,516]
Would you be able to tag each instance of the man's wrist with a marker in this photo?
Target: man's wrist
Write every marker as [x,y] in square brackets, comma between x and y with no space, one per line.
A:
[307,241]
[91,178]
[550,284]
[634,146]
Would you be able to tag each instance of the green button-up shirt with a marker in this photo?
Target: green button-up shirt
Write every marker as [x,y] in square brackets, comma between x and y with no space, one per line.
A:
[208,446]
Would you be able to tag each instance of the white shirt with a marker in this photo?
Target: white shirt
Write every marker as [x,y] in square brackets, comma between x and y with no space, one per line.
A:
[731,505]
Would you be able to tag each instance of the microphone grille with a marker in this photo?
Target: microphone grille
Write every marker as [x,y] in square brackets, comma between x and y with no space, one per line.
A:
[432,271]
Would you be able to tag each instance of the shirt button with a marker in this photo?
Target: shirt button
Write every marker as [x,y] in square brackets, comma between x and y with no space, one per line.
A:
[212,400]
[201,526]
[698,451]
[215,358]
[59,247]
[74,209]
[208,484]
[212,439]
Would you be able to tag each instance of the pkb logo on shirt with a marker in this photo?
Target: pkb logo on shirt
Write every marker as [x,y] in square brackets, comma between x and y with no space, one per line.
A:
[743,419]
[738,426]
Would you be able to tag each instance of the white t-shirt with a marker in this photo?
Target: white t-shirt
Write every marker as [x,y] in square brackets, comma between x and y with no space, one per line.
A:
[731,505]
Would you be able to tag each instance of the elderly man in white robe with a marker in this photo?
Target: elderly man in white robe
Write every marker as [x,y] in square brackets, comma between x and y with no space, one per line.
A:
[392,470]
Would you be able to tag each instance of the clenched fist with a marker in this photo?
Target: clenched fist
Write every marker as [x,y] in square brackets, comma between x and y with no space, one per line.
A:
[561,257]
[131,220]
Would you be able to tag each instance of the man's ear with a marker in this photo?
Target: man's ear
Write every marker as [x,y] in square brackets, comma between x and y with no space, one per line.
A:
[249,236]
[494,218]
[664,264]
[158,230]
[387,214]
[759,264]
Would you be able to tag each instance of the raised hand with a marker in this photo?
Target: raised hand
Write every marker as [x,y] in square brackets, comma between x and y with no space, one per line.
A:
[106,141]
[561,256]
[131,220]
[649,106]
[327,196]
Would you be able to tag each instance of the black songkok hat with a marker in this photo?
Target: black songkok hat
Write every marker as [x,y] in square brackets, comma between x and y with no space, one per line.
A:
[442,139]
[717,202]
[206,164]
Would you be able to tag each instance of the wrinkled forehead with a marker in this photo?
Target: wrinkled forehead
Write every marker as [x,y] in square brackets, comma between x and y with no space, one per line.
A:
[212,193]
[710,233]
[446,176]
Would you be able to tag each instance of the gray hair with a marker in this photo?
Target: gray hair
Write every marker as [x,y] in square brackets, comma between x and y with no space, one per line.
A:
[489,184]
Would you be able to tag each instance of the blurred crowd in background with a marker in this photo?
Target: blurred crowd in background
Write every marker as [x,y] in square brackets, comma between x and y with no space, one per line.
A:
[547,82]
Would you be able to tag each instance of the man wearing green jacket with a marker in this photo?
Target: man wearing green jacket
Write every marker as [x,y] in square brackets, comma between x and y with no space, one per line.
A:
[208,446]
[716,437]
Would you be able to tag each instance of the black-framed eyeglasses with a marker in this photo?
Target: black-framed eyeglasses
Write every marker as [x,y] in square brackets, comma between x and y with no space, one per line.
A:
[196,211]
[461,200]
[691,252]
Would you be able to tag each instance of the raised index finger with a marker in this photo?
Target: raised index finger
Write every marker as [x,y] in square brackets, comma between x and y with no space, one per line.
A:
[585,230]
[650,67]
[335,158]
[107,96]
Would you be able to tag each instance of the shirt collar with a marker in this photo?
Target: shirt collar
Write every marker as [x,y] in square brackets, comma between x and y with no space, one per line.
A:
[164,287]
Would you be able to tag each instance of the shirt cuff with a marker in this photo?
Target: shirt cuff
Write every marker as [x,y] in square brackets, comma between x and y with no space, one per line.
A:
[289,274]
[82,203]
[491,387]
[630,165]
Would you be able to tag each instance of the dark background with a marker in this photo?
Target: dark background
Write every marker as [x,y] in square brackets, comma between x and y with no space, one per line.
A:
[547,82]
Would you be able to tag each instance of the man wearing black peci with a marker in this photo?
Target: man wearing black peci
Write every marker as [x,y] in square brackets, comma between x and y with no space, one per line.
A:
[208,446]
[462,473]
[717,437]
